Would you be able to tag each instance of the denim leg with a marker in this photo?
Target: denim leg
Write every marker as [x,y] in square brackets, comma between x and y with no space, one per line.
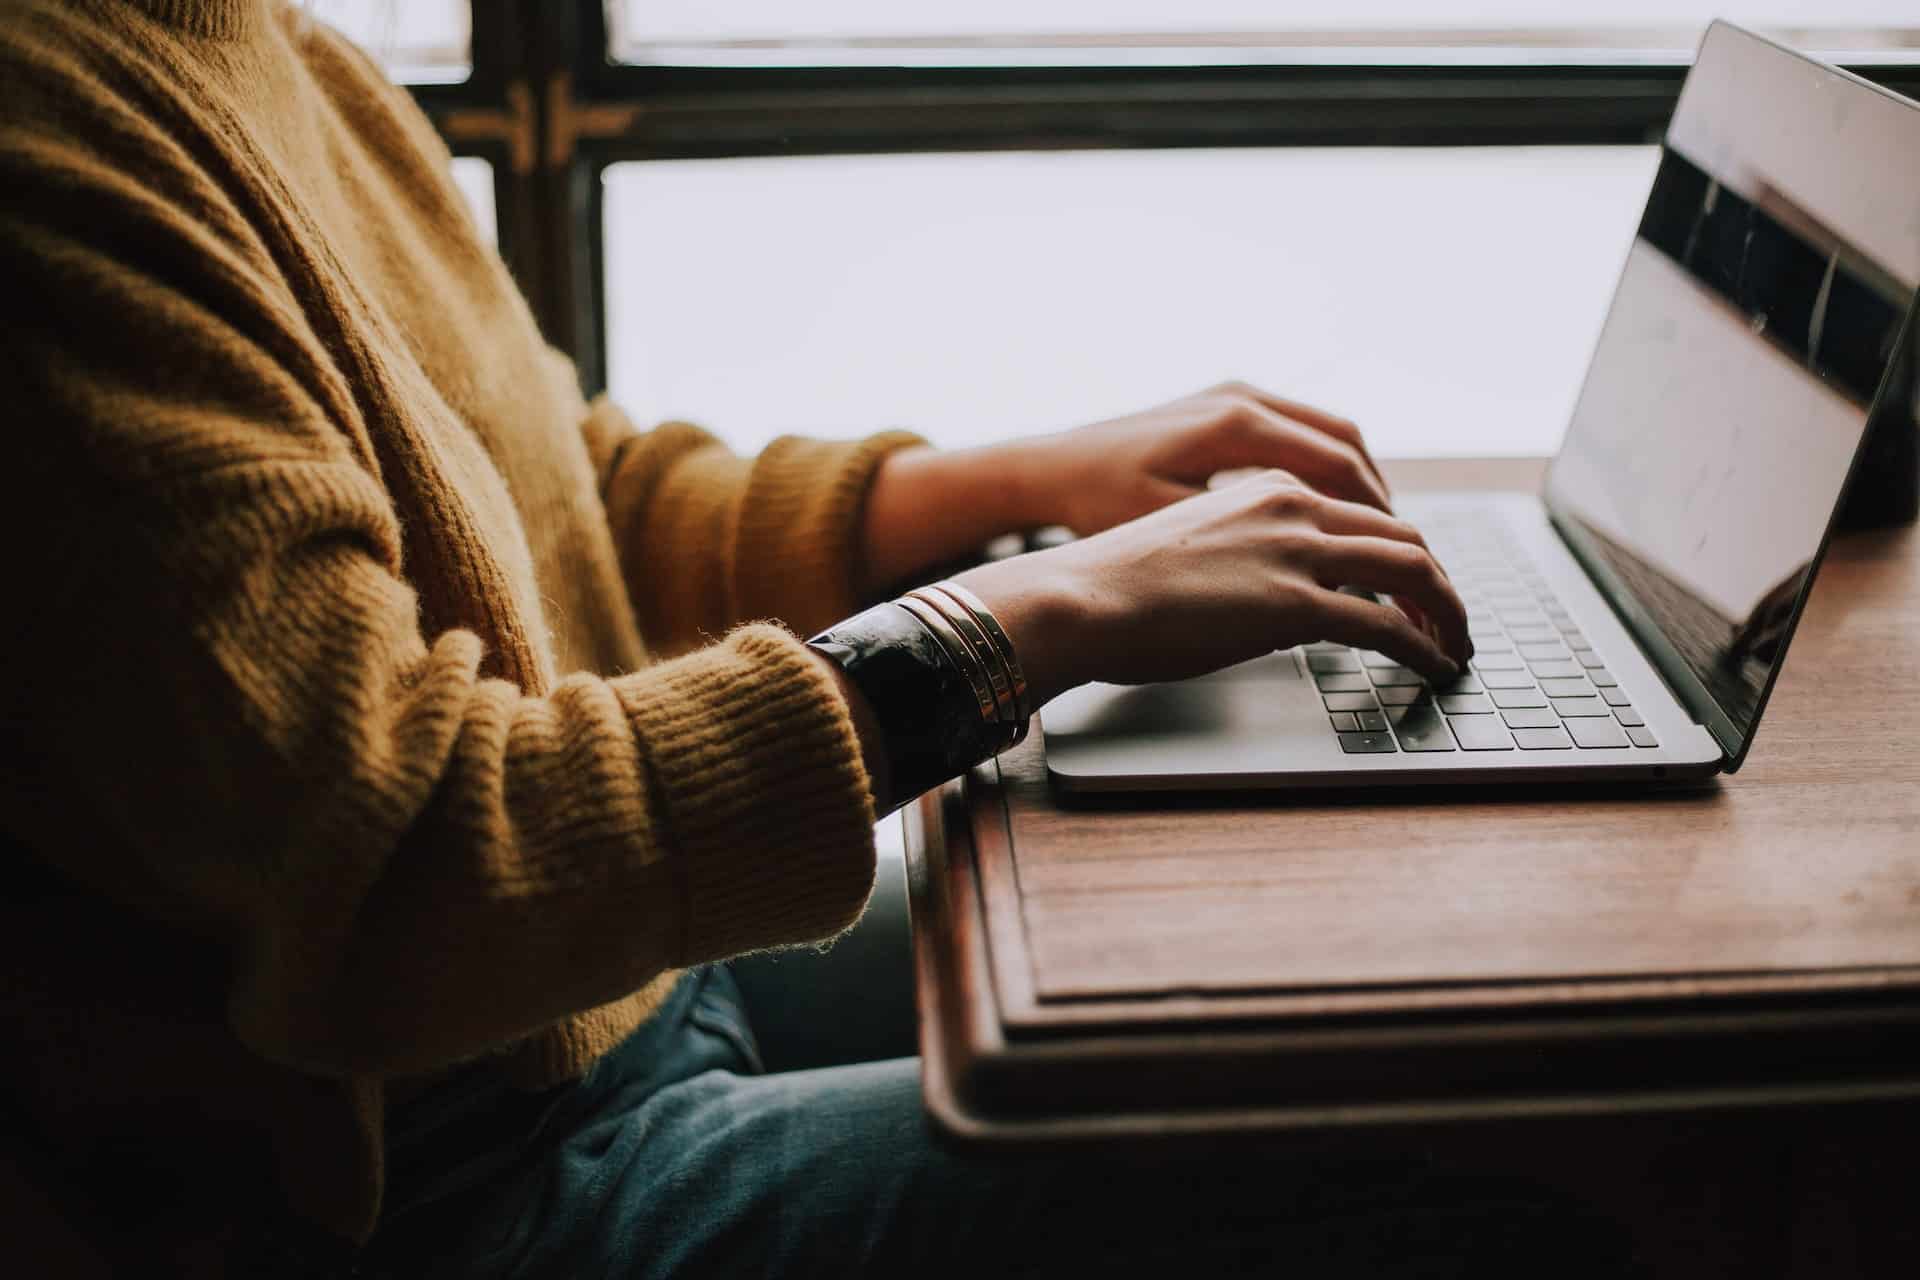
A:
[463,1161]
[834,1172]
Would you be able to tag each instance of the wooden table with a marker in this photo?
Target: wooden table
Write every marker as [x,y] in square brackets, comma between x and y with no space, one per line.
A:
[1222,966]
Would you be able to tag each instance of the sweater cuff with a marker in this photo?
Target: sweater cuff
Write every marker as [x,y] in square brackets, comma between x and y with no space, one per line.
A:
[798,540]
[761,785]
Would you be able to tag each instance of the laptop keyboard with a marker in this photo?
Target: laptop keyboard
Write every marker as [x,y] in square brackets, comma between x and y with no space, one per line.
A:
[1535,684]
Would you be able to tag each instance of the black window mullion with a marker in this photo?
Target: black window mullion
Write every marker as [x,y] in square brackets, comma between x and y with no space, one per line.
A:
[716,112]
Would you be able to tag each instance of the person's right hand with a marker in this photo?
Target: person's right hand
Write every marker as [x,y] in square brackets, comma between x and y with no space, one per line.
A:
[1219,578]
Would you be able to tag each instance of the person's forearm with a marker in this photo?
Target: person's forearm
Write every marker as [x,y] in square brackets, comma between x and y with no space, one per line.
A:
[928,507]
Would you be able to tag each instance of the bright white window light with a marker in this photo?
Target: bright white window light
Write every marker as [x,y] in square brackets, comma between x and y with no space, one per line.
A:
[1445,298]
[416,41]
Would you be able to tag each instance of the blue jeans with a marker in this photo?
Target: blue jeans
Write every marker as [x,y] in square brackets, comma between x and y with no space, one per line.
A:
[678,1156]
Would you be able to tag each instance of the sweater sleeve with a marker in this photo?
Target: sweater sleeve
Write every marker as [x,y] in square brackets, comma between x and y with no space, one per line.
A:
[774,536]
[222,709]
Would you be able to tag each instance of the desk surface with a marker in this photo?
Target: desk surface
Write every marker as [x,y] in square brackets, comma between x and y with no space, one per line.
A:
[1798,878]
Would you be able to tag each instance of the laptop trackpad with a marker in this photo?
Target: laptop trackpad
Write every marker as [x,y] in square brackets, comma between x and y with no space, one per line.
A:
[1250,693]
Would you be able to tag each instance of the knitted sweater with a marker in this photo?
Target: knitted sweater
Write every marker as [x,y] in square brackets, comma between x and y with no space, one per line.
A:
[329,747]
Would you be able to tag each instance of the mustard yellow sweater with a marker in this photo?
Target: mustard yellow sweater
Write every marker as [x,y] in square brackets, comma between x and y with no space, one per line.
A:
[330,752]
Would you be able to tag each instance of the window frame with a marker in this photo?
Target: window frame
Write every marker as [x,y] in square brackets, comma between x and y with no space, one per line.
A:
[550,108]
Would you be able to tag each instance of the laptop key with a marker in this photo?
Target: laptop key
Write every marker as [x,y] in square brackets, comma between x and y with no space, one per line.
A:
[1402,695]
[1369,658]
[1465,704]
[1370,721]
[1602,677]
[1352,701]
[1534,635]
[1342,682]
[1531,718]
[1320,663]
[1421,728]
[1576,687]
[1462,684]
[1581,707]
[1366,744]
[1506,680]
[1594,734]
[1616,697]
[1498,661]
[1394,675]
[1504,698]
[1556,670]
[1543,652]
[1628,716]
[1543,739]
[1587,658]
[1574,640]
[1343,722]
[1481,733]
[1642,736]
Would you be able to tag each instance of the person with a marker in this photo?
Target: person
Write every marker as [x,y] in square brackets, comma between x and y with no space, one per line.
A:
[396,744]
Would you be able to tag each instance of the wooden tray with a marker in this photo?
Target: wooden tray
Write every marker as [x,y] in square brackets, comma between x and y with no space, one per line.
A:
[1243,964]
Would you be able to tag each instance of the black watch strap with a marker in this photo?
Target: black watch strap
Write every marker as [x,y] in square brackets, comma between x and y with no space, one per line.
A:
[925,705]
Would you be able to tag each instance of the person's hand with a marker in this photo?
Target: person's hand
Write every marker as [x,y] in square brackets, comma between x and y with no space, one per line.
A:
[1221,577]
[1095,477]
[927,506]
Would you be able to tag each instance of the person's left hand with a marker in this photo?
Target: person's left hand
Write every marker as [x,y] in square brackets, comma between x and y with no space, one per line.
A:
[927,506]
[1095,477]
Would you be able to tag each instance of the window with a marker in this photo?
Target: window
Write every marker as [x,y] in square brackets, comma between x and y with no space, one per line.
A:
[474,177]
[1009,215]
[1445,299]
[418,42]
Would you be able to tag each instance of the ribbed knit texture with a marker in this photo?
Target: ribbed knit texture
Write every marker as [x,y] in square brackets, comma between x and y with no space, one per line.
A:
[211,19]
[328,731]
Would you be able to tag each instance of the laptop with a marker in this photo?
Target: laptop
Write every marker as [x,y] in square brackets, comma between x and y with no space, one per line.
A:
[1629,621]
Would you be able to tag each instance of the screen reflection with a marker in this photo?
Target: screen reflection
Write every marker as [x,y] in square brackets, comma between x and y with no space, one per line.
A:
[1758,314]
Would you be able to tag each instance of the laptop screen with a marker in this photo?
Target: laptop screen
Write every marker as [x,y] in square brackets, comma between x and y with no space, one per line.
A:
[1760,309]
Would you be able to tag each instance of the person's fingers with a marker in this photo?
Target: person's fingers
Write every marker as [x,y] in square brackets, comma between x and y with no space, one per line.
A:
[1351,518]
[1366,624]
[1406,572]
[1354,518]
[1343,429]
[1263,438]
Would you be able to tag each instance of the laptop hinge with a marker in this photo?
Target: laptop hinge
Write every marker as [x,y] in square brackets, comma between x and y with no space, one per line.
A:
[1686,688]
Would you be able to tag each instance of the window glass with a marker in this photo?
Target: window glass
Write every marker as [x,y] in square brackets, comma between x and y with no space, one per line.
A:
[1447,299]
[771,32]
[474,177]
[416,41]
